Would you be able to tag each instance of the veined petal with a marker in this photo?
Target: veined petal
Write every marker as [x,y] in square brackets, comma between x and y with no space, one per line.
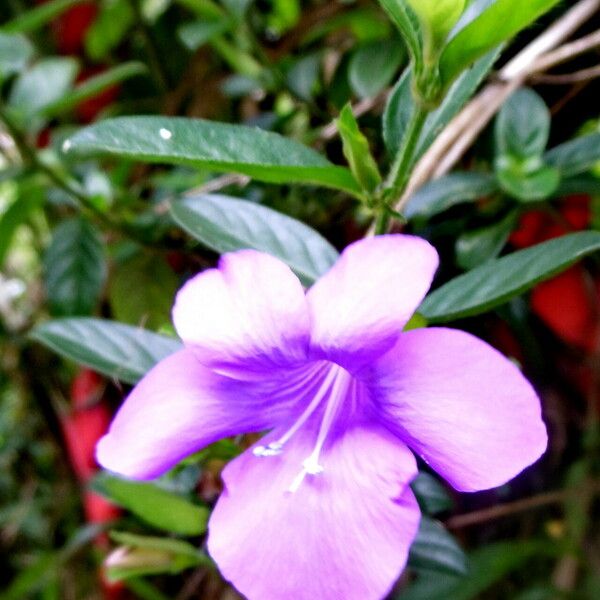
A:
[247,316]
[181,406]
[465,408]
[342,534]
[359,308]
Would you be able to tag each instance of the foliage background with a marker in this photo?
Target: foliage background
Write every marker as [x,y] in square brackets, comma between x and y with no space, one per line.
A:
[85,236]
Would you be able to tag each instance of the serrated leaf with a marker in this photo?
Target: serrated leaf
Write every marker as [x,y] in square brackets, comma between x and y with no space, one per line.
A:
[434,549]
[260,154]
[226,224]
[501,21]
[522,128]
[373,66]
[154,505]
[15,52]
[441,194]
[576,156]
[74,268]
[497,281]
[116,350]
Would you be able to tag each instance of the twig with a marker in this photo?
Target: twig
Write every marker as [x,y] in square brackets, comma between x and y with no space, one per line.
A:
[568,78]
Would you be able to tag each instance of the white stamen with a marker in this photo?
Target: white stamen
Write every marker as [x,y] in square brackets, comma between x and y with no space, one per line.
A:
[165,134]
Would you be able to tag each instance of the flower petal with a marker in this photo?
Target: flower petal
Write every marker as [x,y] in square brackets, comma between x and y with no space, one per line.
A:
[343,534]
[465,408]
[360,306]
[180,407]
[248,315]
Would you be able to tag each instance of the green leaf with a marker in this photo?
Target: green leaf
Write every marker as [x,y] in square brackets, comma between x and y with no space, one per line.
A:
[226,224]
[116,350]
[437,18]
[407,23]
[151,274]
[441,194]
[93,86]
[498,23]
[434,549]
[577,156]
[46,82]
[260,154]
[194,35]
[525,182]
[497,281]
[15,52]
[579,184]
[145,555]
[74,268]
[373,66]
[357,152]
[109,28]
[400,105]
[38,16]
[432,496]
[154,505]
[522,127]
[476,247]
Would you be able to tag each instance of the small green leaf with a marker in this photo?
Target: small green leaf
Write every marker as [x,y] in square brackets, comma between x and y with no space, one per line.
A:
[46,82]
[357,152]
[476,247]
[93,86]
[116,350]
[577,156]
[196,34]
[141,291]
[437,17]
[222,147]
[497,281]
[373,66]
[38,16]
[109,28]
[432,496]
[144,555]
[523,126]
[154,505]
[15,52]
[434,549]
[441,194]
[226,224]
[501,21]
[74,268]
[408,25]
[527,181]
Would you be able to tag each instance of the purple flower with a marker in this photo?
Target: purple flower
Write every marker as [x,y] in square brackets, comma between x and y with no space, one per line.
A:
[321,508]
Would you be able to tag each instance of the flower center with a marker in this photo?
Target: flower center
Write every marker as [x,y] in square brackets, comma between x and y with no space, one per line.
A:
[334,388]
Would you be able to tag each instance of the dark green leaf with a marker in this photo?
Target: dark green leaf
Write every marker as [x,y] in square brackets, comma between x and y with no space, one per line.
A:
[357,152]
[432,496]
[157,280]
[109,28]
[226,224]
[251,151]
[434,549]
[577,156]
[579,184]
[15,52]
[154,505]
[116,350]
[523,125]
[303,77]
[374,65]
[476,247]
[38,16]
[74,268]
[497,281]
[498,23]
[441,194]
